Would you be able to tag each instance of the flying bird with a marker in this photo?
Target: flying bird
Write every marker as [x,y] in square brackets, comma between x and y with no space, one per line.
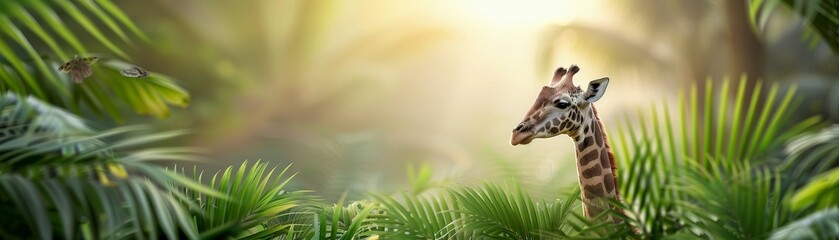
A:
[79,68]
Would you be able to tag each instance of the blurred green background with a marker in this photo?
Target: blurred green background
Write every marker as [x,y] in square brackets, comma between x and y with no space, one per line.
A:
[354,93]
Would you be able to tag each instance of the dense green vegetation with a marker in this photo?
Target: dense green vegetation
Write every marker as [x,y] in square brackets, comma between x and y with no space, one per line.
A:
[722,161]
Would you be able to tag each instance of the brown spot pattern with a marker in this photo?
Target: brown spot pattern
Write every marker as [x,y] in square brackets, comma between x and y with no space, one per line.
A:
[593,211]
[590,156]
[598,137]
[594,191]
[554,130]
[604,158]
[586,143]
[592,172]
[609,182]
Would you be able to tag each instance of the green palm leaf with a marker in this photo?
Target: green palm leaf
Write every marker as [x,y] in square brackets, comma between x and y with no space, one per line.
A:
[822,192]
[252,197]
[27,70]
[507,212]
[63,178]
[341,222]
[658,147]
[810,155]
[85,207]
[432,216]
[734,204]
[821,17]
[819,225]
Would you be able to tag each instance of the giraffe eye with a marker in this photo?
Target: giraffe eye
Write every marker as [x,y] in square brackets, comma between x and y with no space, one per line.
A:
[561,104]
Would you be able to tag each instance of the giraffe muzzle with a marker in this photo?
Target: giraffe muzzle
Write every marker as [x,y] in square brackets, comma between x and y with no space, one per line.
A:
[521,138]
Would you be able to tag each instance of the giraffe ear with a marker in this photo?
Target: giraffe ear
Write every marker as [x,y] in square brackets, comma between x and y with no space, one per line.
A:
[596,89]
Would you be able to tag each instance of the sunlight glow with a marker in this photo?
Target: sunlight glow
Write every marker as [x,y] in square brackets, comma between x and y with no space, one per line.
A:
[512,14]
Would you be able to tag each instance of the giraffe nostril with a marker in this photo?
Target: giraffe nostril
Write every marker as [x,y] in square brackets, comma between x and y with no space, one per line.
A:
[519,127]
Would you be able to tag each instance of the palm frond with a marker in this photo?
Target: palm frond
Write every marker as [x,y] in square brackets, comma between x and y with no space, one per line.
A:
[820,225]
[16,111]
[507,212]
[821,18]
[28,70]
[734,204]
[298,222]
[822,192]
[345,223]
[35,135]
[151,95]
[810,155]
[64,178]
[420,179]
[659,146]
[432,216]
[72,207]
[252,197]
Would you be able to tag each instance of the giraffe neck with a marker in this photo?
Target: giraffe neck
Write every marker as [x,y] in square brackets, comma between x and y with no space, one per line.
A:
[596,166]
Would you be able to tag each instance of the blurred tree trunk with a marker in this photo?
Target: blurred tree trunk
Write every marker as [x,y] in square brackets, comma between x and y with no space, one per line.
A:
[745,56]
[746,50]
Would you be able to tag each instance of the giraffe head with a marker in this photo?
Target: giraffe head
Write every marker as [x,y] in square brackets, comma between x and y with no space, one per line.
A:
[560,108]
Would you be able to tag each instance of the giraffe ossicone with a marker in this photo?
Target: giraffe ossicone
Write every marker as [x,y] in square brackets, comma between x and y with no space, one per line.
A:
[561,108]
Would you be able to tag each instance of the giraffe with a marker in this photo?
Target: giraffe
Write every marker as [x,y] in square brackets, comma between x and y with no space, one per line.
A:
[562,108]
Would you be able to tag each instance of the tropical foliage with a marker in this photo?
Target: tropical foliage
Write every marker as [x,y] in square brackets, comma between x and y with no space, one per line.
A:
[821,16]
[29,70]
[721,163]
[251,199]
[65,179]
